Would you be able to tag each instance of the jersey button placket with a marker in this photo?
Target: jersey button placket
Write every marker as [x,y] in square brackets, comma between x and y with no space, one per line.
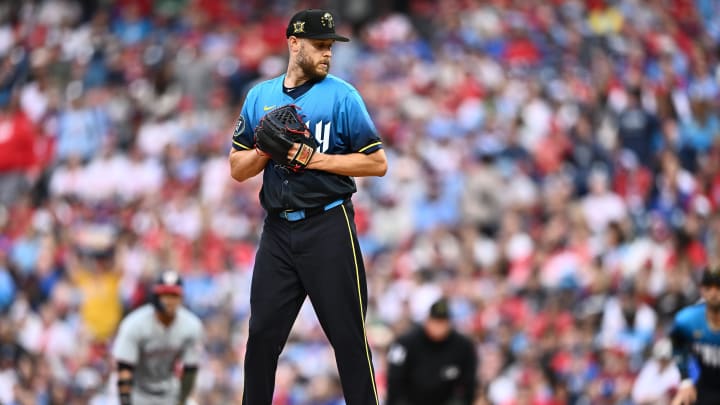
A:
[286,193]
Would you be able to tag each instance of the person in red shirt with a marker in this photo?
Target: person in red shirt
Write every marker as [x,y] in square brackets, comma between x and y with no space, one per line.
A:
[17,136]
[17,151]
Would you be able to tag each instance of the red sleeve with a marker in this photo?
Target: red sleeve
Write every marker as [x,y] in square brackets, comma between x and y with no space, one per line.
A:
[17,142]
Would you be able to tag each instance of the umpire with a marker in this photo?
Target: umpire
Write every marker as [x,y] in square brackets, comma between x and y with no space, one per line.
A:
[433,364]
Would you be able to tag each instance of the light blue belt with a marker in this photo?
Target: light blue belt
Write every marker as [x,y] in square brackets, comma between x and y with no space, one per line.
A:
[298,215]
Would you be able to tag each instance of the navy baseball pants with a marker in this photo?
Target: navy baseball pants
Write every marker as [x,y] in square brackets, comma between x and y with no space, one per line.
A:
[317,257]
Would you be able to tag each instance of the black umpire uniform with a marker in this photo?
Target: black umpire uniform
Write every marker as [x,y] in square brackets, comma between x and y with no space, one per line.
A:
[432,368]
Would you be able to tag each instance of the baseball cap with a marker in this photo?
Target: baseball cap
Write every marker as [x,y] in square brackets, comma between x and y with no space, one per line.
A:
[313,24]
[440,309]
[168,282]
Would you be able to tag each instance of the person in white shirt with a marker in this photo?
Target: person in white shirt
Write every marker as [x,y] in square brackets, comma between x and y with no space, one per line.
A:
[658,378]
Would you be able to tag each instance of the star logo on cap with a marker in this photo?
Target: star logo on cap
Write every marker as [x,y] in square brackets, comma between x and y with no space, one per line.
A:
[327,20]
[298,27]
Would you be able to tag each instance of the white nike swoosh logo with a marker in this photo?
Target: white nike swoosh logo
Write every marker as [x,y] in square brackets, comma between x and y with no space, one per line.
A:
[266,108]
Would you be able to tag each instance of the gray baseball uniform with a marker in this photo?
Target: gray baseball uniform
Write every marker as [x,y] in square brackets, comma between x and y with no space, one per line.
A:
[155,350]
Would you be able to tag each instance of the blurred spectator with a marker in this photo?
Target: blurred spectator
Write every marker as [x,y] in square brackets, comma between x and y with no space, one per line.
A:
[482,199]
[95,272]
[638,129]
[133,24]
[17,151]
[627,322]
[602,206]
[658,378]
[81,127]
[586,154]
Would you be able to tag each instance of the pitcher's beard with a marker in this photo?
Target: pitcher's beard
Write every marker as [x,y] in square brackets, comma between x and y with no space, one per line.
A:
[311,70]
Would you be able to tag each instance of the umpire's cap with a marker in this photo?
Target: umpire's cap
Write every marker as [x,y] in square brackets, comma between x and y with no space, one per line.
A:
[440,309]
[710,277]
[313,24]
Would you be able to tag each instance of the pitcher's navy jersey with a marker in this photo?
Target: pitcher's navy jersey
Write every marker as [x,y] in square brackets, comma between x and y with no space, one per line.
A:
[336,116]
[693,339]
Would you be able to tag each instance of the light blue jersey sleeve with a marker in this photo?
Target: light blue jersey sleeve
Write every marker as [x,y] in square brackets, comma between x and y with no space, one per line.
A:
[243,133]
[357,126]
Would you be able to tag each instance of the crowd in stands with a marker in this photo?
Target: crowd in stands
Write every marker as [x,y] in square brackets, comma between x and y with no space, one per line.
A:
[554,169]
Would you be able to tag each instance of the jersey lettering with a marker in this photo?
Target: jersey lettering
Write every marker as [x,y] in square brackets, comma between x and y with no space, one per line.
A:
[159,359]
[709,354]
[322,135]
